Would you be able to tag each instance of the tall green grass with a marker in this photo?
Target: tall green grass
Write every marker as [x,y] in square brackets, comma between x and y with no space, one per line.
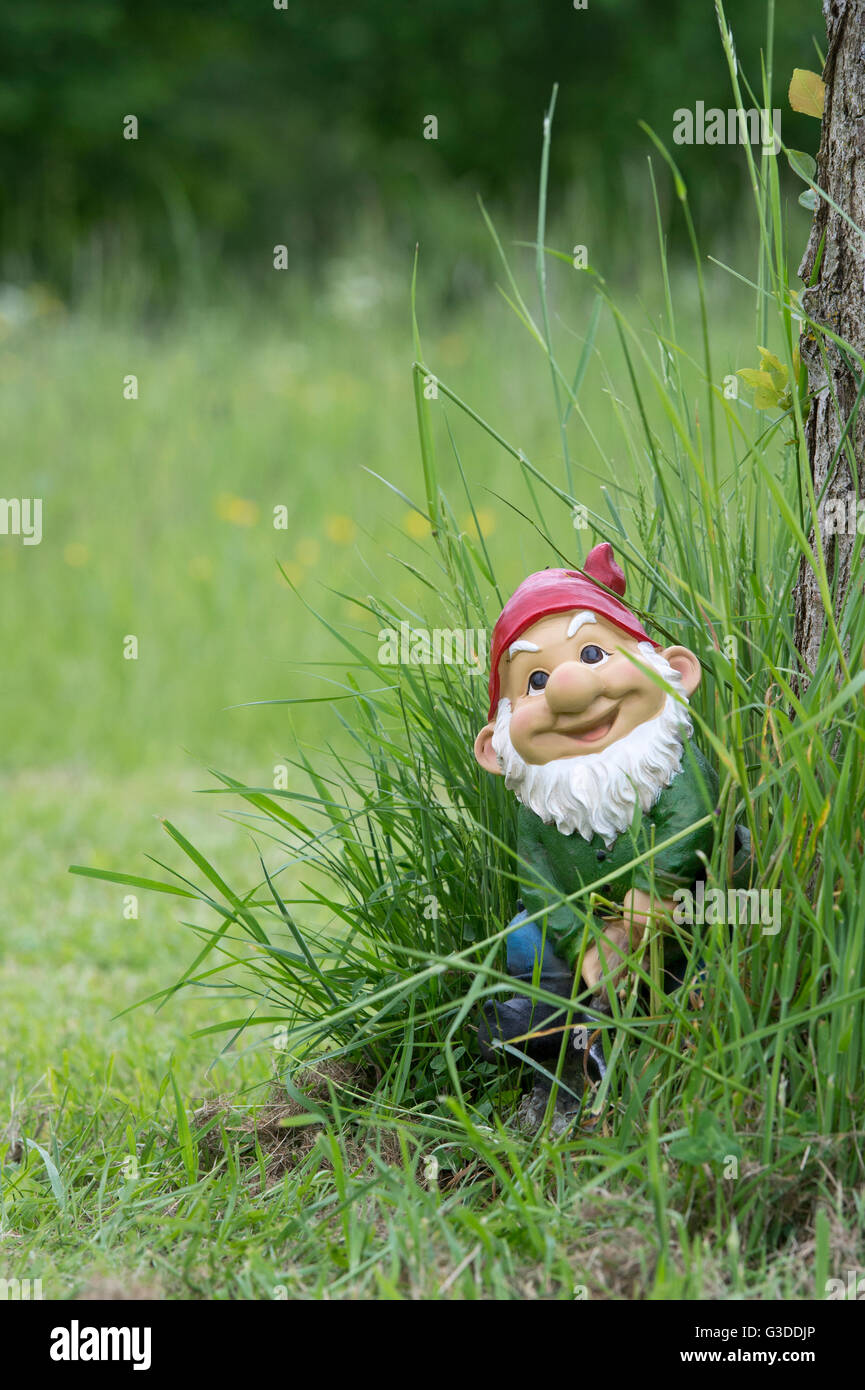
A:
[374,921]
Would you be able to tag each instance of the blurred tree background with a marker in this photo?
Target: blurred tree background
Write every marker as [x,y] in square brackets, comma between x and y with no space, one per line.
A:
[261,125]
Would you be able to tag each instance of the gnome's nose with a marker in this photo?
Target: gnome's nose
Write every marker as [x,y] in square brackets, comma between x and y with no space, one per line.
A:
[571,688]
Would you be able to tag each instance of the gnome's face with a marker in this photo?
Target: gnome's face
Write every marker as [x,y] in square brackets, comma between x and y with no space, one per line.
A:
[589,720]
[574,687]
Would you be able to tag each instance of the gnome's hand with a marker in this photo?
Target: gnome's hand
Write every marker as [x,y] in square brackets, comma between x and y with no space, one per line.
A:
[605,962]
[640,910]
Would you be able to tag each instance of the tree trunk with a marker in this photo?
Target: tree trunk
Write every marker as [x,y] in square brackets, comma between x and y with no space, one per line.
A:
[836,300]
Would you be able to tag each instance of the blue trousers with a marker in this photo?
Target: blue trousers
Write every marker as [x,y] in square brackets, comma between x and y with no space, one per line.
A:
[511,1018]
[526,948]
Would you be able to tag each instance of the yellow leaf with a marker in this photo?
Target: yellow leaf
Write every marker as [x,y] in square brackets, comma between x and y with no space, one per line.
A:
[765,394]
[770,363]
[807,92]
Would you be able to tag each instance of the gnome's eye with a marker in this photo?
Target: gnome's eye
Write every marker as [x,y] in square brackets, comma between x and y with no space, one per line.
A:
[593,655]
[537,681]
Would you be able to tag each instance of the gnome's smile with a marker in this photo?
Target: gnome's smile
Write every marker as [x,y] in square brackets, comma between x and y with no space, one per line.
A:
[593,731]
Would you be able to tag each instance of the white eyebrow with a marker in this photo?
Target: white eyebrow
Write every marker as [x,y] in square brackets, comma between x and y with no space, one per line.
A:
[579,620]
[521,647]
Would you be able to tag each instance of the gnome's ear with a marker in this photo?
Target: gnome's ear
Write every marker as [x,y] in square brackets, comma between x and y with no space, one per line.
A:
[600,564]
[484,750]
[687,665]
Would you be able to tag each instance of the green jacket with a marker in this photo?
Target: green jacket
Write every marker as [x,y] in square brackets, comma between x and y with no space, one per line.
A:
[553,865]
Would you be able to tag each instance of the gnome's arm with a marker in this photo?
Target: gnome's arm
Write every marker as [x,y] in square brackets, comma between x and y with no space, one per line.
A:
[688,802]
[541,891]
[684,804]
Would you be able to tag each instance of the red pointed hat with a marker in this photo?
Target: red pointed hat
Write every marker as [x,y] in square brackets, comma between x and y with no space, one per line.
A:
[558,591]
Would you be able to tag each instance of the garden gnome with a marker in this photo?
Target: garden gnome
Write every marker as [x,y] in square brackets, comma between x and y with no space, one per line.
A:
[589,726]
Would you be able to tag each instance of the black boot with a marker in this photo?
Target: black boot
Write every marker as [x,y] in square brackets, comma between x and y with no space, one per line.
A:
[514,1018]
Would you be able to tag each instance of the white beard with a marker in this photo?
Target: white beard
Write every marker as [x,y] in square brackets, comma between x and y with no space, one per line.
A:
[597,793]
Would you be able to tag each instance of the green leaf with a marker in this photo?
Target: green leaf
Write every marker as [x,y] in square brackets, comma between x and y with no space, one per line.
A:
[805,165]
[152,885]
[188,1147]
[51,1169]
[424,414]
[678,181]
[707,1144]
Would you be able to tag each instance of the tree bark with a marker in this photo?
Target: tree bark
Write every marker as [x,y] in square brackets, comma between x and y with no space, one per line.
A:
[837,300]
